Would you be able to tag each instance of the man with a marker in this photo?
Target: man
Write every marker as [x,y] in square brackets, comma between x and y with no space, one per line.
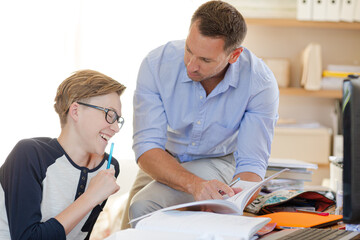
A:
[56,188]
[204,113]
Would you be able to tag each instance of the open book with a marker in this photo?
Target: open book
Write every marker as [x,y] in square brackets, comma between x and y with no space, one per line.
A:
[232,205]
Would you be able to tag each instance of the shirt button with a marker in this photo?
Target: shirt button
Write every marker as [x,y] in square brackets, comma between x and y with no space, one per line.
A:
[193,144]
[198,122]
[83,178]
[201,97]
[82,186]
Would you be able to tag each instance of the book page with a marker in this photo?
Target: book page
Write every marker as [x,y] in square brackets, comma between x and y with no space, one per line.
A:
[215,205]
[241,198]
[198,223]
[244,184]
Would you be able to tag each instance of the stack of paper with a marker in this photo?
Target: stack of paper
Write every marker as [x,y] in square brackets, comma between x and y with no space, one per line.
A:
[294,178]
[334,76]
[312,67]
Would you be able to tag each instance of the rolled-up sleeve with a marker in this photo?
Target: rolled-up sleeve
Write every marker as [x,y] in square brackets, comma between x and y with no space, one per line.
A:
[257,127]
[149,115]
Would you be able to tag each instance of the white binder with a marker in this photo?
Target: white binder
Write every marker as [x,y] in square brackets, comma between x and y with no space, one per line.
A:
[333,10]
[319,10]
[347,10]
[304,10]
[357,11]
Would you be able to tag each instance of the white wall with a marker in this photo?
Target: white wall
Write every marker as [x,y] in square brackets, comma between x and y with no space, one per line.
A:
[42,42]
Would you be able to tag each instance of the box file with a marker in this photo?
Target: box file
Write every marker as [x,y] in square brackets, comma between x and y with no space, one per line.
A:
[304,10]
[357,11]
[333,10]
[347,10]
[319,10]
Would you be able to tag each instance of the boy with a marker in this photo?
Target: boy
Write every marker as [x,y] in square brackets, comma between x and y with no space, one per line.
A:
[56,188]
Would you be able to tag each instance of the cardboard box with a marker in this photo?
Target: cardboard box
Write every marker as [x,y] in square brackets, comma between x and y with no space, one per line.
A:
[307,144]
[281,69]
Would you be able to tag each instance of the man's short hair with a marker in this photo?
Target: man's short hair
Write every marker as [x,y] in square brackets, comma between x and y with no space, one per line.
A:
[80,86]
[221,20]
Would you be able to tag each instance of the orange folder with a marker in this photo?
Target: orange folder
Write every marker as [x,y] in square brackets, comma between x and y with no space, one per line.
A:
[301,220]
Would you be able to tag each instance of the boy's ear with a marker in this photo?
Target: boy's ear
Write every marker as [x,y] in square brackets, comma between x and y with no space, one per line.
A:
[74,111]
[235,55]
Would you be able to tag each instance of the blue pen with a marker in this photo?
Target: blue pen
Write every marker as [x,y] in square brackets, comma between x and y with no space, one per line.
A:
[235,181]
[110,155]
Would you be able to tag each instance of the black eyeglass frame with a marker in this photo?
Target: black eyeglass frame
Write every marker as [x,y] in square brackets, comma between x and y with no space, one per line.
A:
[119,119]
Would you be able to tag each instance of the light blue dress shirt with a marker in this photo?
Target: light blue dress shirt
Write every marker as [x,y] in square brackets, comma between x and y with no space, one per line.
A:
[173,112]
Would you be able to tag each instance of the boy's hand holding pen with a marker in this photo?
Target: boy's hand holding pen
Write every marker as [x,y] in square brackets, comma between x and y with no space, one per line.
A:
[104,183]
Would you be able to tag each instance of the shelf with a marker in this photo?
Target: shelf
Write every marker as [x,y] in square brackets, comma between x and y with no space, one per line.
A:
[280,22]
[335,94]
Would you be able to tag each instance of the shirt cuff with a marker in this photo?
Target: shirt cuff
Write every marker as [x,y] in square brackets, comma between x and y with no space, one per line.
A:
[141,148]
[251,165]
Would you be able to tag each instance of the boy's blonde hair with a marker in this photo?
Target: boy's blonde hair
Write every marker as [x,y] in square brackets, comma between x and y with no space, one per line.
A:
[82,85]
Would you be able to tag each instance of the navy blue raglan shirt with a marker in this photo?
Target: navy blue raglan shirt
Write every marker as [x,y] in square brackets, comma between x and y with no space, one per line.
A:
[38,181]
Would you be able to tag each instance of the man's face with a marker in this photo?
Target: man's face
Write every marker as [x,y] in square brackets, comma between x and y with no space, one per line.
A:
[204,57]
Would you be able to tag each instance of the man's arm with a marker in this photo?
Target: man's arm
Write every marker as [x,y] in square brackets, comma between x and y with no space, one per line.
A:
[164,168]
[257,129]
[150,123]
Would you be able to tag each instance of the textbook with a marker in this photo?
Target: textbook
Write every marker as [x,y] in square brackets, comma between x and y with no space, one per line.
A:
[229,205]
[298,173]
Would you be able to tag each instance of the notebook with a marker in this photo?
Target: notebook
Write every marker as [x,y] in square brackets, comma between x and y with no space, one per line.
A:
[286,220]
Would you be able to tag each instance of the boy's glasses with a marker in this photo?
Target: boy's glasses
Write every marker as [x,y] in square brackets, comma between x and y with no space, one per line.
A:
[110,115]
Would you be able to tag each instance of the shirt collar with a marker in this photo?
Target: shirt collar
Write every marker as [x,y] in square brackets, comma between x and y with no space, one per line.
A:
[185,77]
[230,78]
